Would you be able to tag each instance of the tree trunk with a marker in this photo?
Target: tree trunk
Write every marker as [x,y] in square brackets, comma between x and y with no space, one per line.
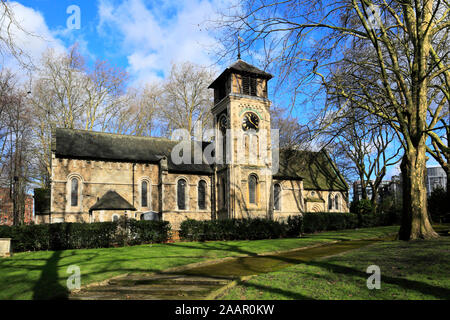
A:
[373,200]
[415,223]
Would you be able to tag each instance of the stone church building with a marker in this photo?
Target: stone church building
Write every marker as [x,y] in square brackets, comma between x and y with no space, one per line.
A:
[101,176]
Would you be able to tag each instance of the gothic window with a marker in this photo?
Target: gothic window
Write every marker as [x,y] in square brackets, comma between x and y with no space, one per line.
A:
[144,194]
[223,126]
[277,197]
[202,195]
[336,202]
[330,202]
[249,85]
[252,184]
[74,192]
[223,189]
[181,194]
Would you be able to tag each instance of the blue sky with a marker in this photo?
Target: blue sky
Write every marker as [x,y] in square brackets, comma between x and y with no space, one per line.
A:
[142,36]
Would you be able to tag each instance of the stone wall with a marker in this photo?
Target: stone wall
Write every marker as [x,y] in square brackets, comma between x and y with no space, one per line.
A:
[171,212]
[95,178]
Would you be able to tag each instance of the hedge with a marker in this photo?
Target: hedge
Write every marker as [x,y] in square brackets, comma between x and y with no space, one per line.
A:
[62,236]
[254,229]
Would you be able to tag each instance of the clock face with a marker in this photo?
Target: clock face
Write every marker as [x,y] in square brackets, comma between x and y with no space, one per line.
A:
[223,123]
[250,121]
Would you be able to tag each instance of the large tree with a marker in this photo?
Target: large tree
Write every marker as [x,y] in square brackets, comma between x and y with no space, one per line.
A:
[387,58]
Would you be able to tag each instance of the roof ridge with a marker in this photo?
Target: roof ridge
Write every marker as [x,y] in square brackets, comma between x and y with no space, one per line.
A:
[117,134]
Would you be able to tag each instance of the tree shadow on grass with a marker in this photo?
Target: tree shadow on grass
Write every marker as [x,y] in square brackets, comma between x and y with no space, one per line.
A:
[48,286]
[413,285]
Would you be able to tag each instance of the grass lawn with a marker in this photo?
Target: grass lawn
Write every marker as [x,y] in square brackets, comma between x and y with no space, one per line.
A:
[409,270]
[43,275]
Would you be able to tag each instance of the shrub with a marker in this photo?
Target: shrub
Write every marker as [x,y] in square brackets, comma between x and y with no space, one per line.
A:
[362,206]
[439,205]
[62,236]
[149,231]
[294,226]
[254,229]
[232,229]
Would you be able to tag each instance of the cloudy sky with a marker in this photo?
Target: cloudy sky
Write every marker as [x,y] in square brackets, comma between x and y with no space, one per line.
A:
[142,36]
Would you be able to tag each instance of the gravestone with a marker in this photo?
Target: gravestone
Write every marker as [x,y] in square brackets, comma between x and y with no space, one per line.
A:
[5,247]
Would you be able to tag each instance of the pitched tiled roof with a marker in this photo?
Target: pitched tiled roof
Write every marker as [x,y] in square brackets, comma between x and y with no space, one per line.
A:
[316,170]
[111,200]
[241,66]
[83,144]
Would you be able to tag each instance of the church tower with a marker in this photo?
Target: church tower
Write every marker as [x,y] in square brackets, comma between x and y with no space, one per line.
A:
[242,129]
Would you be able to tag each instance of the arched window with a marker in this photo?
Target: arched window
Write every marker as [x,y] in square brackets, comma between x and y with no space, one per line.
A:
[144,194]
[181,194]
[336,202]
[277,196]
[330,202]
[115,218]
[223,191]
[252,184]
[201,193]
[74,192]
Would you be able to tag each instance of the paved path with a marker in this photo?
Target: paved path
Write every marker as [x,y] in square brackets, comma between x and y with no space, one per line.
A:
[200,281]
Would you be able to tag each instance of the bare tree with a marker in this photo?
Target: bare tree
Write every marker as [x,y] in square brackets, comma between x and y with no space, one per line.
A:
[365,146]
[68,94]
[15,119]
[186,100]
[387,58]
[293,135]
[9,27]
[136,112]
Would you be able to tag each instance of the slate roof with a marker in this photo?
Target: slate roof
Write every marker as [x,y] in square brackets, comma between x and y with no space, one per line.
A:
[83,144]
[111,200]
[240,66]
[316,169]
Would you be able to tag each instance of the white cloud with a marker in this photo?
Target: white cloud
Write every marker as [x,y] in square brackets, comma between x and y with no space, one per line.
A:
[33,38]
[153,36]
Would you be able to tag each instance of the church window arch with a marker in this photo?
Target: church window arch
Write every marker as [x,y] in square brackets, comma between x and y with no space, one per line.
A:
[277,196]
[201,194]
[252,188]
[330,202]
[181,193]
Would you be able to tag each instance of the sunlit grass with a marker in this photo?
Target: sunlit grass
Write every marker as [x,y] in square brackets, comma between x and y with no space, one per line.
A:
[409,270]
[43,274]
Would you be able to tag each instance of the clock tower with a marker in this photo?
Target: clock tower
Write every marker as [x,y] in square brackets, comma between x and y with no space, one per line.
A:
[243,175]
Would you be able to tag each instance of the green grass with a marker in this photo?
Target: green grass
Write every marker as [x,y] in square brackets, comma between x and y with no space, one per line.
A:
[409,270]
[43,275]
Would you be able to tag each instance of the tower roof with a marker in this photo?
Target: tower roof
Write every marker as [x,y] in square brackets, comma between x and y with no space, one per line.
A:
[240,66]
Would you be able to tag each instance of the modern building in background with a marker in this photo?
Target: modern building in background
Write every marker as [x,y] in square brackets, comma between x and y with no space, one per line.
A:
[7,208]
[436,177]
[358,190]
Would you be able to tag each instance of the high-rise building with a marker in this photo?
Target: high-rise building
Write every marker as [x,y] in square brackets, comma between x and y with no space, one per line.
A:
[435,178]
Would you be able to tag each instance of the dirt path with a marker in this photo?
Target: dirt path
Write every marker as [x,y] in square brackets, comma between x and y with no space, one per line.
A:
[199,282]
